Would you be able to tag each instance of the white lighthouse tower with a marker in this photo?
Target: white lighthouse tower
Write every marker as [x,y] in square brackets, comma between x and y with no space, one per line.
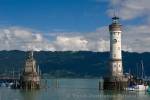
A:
[115,48]
[116,79]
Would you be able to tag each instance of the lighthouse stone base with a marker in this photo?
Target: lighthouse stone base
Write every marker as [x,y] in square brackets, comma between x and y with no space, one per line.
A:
[115,83]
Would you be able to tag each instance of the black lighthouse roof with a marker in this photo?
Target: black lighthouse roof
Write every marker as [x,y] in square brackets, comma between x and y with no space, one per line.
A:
[115,20]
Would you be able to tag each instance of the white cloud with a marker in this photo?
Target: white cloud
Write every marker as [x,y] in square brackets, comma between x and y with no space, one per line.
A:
[134,38]
[137,37]
[13,38]
[16,38]
[75,43]
[130,9]
[98,45]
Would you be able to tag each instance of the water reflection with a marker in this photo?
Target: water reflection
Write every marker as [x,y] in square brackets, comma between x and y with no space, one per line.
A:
[71,89]
[28,94]
[125,95]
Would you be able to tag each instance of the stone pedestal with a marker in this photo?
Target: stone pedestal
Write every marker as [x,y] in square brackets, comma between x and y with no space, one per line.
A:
[115,83]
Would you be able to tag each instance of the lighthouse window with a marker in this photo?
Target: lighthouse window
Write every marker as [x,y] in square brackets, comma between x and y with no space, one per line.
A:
[114,65]
[118,48]
[115,40]
[114,55]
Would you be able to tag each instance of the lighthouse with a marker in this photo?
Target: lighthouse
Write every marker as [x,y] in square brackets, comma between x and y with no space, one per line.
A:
[115,79]
[115,63]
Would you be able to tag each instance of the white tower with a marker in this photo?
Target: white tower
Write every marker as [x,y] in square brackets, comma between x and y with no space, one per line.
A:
[116,80]
[115,48]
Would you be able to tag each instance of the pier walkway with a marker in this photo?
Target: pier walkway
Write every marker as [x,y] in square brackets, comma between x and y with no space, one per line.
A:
[8,79]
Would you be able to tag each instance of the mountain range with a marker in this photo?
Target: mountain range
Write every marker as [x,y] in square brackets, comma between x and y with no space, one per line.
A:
[73,63]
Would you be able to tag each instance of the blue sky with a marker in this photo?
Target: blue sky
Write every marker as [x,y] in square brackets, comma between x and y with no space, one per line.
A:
[61,25]
[53,15]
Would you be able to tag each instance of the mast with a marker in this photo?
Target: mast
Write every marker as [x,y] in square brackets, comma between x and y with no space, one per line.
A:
[137,70]
[142,66]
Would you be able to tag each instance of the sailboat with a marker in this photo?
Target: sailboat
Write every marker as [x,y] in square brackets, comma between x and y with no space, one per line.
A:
[139,82]
[148,90]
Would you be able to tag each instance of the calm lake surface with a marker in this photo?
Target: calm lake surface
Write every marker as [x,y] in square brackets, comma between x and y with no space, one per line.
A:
[70,89]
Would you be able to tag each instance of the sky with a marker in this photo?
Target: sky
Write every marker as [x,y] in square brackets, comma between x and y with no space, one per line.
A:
[72,25]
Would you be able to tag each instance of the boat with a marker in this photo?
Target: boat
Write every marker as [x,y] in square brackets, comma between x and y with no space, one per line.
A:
[138,87]
[2,85]
[138,84]
[148,90]
[141,87]
[130,89]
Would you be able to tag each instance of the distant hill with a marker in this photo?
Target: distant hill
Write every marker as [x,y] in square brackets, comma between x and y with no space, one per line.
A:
[72,64]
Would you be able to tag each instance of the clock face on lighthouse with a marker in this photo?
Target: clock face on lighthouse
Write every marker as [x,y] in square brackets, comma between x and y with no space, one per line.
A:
[115,41]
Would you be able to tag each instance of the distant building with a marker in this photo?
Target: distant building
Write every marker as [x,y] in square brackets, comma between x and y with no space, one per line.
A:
[30,78]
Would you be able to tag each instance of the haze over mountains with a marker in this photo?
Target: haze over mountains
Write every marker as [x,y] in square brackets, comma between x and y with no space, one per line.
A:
[72,64]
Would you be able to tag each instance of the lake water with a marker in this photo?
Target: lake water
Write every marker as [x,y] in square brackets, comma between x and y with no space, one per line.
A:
[70,89]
